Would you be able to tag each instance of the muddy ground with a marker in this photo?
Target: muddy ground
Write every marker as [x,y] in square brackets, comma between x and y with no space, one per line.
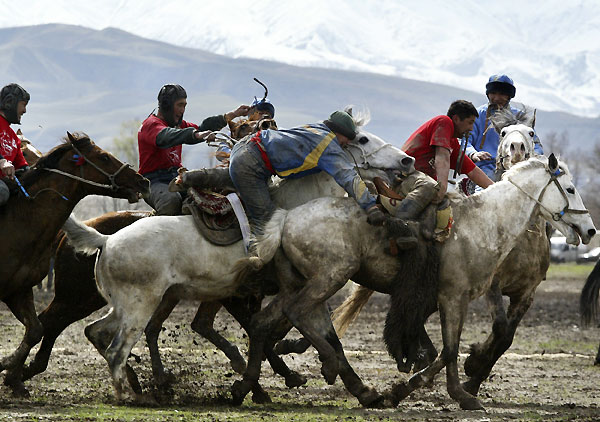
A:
[547,375]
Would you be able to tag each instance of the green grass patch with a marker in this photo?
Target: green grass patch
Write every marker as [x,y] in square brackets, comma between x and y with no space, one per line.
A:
[570,270]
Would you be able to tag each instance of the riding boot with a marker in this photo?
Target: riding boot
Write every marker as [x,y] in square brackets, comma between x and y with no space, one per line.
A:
[208,178]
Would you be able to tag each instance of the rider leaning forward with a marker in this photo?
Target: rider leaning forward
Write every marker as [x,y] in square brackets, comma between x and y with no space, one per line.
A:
[13,104]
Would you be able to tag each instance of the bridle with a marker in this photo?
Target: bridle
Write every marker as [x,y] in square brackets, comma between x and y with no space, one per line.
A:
[80,159]
[556,216]
[364,164]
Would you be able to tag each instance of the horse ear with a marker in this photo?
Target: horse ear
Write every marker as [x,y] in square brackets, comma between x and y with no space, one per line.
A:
[533,120]
[552,163]
[348,110]
[19,132]
[71,137]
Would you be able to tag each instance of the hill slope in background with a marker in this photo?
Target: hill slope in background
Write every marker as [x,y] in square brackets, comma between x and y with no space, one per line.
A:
[90,80]
[550,48]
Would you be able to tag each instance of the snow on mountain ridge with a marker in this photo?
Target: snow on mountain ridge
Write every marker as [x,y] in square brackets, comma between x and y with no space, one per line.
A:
[553,65]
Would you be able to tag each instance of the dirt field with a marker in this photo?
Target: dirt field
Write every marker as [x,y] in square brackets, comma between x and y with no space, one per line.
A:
[547,375]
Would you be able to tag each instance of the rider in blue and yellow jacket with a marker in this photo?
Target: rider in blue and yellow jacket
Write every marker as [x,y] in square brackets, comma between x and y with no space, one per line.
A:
[482,145]
[295,153]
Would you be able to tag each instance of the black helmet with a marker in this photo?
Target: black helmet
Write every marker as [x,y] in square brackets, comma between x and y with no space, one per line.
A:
[167,97]
[10,96]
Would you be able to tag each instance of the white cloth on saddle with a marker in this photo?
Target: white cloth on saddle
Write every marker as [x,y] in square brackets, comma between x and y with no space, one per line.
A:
[238,209]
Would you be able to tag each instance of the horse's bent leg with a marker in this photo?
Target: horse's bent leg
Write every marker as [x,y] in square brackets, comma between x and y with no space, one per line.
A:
[480,367]
[22,306]
[320,319]
[298,346]
[242,312]
[167,304]
[203,324]
[62,312]
[262,326]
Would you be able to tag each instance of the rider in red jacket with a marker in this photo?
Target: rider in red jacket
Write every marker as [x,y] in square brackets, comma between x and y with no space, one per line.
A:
[13,104]
[160,141]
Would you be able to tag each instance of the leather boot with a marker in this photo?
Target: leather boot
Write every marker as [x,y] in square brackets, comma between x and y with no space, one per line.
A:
[409,209]
[208,178]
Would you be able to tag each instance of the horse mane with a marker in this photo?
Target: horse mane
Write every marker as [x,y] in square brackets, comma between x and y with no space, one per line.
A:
[361,117]
[505,117]
[52,157]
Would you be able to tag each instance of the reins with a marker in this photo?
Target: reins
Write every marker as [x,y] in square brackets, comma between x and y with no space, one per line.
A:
[556,216]
[111,177]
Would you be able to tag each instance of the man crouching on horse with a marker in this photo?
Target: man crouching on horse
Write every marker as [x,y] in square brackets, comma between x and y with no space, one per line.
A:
[13,104]
[295,153]
[436,150]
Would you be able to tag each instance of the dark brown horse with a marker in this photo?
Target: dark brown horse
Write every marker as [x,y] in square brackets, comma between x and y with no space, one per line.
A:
[33,216]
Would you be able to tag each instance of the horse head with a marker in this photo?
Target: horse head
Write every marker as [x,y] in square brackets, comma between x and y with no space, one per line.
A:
[559,201]
[372,155]
[96,171]
[516,137]
[31,153]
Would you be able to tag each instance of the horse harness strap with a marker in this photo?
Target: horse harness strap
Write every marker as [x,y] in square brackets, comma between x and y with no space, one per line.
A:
[488,113]
[553,179]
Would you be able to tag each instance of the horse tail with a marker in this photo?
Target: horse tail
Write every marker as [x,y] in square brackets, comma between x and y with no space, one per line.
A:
[265,247]
[348,311]
[84,239]
[588,301]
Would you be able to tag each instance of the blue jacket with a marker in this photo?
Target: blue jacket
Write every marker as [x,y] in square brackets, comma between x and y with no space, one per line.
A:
[312,148]
[492,139]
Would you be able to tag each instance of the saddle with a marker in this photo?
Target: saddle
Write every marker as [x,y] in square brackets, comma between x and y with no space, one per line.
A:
[213,215]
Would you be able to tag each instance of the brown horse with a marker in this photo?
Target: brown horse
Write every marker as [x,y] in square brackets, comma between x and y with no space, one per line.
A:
[31,219]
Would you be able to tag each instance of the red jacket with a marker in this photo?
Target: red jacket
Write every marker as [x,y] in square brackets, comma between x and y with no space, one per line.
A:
[10,145]
[437,132]
[152,157]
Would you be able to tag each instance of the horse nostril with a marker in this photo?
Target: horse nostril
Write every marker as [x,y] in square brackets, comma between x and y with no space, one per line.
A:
[407,161]
[591,232]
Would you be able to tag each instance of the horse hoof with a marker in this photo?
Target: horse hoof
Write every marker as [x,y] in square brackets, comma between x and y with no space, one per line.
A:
[20,391]
[145,400]
[471,387]
[295,380]
[329,370]
[239,390]
[471,404]
[371,398]
[165,379]
[399,392]
[238,366]
[261,397]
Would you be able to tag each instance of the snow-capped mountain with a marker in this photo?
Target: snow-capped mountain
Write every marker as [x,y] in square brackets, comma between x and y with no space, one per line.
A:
[550,48]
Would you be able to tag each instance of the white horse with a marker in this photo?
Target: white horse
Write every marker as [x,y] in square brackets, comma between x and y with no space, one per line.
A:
[327,242]
[139,263]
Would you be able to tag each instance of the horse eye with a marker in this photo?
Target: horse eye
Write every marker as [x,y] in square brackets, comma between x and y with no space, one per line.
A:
[105,157]
[363,140]
[571,190]
[503,133]
[531,133]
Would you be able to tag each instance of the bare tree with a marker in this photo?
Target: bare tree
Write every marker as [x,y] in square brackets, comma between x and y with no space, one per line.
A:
[125,145]
[556,143]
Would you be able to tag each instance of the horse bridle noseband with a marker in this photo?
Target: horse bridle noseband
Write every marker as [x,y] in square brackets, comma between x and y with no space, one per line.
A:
[502,157]
[363,156]
[111,177]
[556,216]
